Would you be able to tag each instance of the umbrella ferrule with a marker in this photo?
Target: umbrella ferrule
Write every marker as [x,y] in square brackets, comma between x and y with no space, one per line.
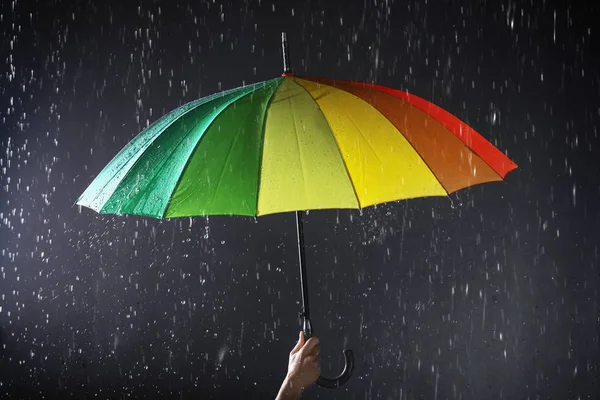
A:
[287,70]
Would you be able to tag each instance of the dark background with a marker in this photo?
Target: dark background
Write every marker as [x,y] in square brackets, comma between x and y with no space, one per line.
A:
[494,298]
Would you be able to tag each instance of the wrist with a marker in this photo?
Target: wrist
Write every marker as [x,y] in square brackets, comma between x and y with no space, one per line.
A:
[290,389]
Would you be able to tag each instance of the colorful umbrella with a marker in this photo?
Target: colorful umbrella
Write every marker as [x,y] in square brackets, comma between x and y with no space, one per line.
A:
[292,144]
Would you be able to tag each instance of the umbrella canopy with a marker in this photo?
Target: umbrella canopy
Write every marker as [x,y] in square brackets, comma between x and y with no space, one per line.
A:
[294,143]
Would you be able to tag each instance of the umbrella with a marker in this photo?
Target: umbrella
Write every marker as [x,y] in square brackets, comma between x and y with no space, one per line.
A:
[293,144]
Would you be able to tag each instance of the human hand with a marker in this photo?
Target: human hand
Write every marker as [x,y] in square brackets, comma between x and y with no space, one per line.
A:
[304,366]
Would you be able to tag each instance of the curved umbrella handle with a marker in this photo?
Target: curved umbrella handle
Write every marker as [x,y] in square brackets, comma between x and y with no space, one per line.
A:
[341,378]
[332,383]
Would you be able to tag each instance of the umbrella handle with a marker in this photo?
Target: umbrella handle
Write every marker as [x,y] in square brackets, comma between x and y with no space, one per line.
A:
[332,383]
[341,378]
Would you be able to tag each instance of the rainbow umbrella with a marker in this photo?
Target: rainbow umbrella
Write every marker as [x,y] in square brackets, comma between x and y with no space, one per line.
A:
[291,144]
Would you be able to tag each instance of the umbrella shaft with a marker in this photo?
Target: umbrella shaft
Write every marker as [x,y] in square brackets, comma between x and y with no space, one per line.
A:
[306,326]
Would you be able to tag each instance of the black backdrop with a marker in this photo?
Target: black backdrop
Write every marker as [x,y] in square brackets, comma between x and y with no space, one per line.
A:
[495,298]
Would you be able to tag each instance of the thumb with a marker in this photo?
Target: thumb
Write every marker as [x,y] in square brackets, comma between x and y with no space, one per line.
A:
[300,342]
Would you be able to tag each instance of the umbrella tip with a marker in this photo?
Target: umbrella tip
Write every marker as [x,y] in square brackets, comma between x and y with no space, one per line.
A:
[286,58]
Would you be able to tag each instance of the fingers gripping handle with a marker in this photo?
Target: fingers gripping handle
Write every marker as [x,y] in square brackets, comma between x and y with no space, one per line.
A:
[307,328]
[332,383]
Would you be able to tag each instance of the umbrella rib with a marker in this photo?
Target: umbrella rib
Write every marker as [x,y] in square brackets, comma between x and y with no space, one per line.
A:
[148,142]
[469,149]
[402,134]
[153,179]
[239,130]
[380,88]
[261,141]
[336,144]
[264,84]
[235,139]
[409,143]
[156,174]
[298,145]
